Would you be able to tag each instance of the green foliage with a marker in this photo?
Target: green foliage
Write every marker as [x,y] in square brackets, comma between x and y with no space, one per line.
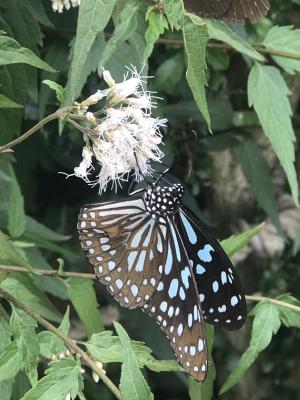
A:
[48,60]
[62,378]
[133,385]
[82,296]
[268,94]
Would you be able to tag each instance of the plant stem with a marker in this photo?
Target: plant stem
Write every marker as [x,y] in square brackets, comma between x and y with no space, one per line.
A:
[55,272]
[225,46]
[67,340]
[57,114]
[280,303]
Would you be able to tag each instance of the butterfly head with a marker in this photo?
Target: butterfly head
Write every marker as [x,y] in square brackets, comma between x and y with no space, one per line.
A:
[161,201]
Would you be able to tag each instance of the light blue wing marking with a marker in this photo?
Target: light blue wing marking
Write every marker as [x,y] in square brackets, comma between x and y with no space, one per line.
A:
[200,270]
[189,230]
[178,255]
[169,261]
[173,288]
[204,254]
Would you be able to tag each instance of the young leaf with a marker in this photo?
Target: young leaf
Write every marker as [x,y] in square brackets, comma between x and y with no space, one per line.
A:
[16,212]
[289,317]
[268,93]
[11,52]
[5,102]
[23,328]
[169,73]
[257,173]
[10,361]
[84,300]
[59,90]
[21,286]
[108,349]
[157,23]
[133,385]
[92,19]
[286,39]
[266,324]
[62,378]
[237,242]
[5,333]
[174,12]
[195,37]
[125,26]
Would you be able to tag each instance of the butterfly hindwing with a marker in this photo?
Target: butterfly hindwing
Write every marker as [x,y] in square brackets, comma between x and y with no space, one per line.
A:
[177,308]
[229,10]
[220,292]
[125,246]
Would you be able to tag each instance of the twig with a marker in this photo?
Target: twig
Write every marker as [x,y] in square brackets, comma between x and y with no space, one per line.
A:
[258,298]
[68,341]
[55,272]
[48,272]
[57,114]
[225,46]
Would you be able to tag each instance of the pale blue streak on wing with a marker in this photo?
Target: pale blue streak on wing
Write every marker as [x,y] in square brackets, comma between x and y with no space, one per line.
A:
[204,254]
[141,262]
[169,261]
[200,270]
[178,255]
[185,275]
[173,288]
[189,230]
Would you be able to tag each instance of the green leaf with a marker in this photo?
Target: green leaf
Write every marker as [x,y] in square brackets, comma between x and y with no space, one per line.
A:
[237,242]
[16,212]
[195,37]
[220,31]
[92,19]
[9,253]
[23,327]
[257,173]
[21,286]
[6,388]
[35,230]
[59,90]
[82,295]
[51,344]
[174,12]
[285,39]
[204,390]
[108,349]
[157,23]
[125,26]
[169,73]
[268,93]
[289,317]
[266,324]
[10,361]
[5,333]
[11,52]
[133,385]
[5,102]
[62,378]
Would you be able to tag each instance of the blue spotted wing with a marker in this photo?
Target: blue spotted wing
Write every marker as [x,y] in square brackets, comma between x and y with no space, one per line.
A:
[221,296]
[143,263]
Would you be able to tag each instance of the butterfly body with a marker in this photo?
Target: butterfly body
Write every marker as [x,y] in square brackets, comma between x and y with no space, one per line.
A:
[152,253]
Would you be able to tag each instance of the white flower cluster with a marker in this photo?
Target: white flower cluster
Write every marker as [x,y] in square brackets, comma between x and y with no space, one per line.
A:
[126,137]
[59,5]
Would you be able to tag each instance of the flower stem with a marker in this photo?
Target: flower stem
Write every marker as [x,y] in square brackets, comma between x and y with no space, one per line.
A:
[57,114]
[280,303]
[66,339]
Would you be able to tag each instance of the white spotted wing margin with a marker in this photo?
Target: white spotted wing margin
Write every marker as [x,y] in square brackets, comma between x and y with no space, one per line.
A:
[177,308]
[220,292]
[125,246]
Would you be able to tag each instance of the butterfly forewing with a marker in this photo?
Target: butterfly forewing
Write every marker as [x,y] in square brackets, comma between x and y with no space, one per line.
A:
[229,10]
[125,246]
[220,292]
[177,309]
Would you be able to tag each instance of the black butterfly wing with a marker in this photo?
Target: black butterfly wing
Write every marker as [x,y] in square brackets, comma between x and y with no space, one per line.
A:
[221,296]
[229,10]
[177,308]
[125,246]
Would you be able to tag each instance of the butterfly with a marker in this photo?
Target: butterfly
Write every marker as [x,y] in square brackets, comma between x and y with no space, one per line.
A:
[229,10]
[153,253]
